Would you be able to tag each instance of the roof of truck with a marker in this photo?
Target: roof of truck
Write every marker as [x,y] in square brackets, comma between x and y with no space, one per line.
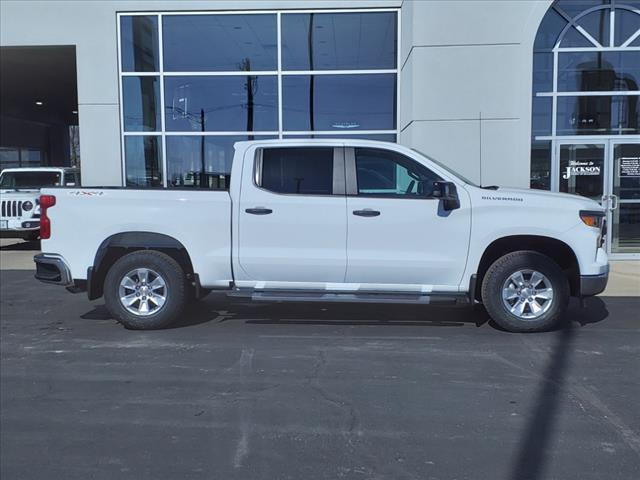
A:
[333,140]
[40,169]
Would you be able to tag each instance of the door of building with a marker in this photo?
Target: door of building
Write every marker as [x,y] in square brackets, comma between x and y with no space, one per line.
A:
[607,171]
[624,198]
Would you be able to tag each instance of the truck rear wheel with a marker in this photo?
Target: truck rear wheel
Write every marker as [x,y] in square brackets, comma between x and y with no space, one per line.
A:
[145,290]
[525,291]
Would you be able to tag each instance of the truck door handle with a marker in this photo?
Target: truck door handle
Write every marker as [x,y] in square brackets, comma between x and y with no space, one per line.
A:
[367,212]
[259,211]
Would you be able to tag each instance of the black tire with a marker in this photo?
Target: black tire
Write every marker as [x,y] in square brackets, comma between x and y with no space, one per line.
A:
[175,293]
[498,274]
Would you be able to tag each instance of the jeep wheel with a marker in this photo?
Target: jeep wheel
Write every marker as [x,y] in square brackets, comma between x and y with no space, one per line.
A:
[145,290]
[525,291]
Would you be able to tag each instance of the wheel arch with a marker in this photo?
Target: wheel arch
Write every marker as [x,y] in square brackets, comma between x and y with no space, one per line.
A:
[553,248]
[120,244]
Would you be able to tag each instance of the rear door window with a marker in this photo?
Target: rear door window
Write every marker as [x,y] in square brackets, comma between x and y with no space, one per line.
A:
[296,170]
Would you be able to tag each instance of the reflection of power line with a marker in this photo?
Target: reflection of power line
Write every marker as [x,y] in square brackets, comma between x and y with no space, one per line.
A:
[186,114]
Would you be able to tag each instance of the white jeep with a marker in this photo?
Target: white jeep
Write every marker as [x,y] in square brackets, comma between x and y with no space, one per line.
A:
[20,192]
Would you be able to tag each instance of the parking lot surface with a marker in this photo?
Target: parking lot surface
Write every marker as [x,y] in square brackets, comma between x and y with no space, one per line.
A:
[313,391]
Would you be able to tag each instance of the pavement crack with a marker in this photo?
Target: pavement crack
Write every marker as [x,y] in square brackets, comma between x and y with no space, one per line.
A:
[352,422]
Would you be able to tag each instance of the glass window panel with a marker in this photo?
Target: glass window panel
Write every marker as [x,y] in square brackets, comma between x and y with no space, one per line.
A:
[31,156]
[219,42]
[339,41]
[573,38]
[385,173]
[575,7]
[141,103]
[339,102]
[599,71]
[9,158]
[542,72]
[549,30]
[598,115]
[542,116]
[541,165]
[139,43]
[636,42]
[597,25]
[626,24]
[143,161]
[626,171]
[189,156]
[381,137]
[625,233]
[582,170]
[295,170]
[234,103]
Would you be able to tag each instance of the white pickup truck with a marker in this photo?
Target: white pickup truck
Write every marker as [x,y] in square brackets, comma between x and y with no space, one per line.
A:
[326,220]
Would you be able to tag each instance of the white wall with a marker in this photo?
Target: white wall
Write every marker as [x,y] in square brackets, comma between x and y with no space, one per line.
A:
[466,84]
[461,60]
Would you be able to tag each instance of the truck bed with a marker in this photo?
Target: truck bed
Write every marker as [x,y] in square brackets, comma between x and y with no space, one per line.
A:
[83,218]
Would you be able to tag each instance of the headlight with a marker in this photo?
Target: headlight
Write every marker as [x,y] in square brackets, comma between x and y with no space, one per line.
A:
[27,205]
[592,218]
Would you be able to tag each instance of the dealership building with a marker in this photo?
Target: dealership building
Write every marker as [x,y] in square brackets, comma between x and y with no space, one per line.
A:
[155,93]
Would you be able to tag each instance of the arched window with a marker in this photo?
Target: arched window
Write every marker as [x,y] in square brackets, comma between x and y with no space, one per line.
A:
[586,76]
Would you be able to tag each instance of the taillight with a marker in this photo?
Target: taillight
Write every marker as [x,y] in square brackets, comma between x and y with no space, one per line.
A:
[46,201]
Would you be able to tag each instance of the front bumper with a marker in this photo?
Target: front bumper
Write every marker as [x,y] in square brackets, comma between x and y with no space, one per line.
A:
[52,269]
[593,284]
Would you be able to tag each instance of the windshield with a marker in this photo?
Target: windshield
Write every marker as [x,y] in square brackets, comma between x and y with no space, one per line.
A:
[27,180]
[448,169]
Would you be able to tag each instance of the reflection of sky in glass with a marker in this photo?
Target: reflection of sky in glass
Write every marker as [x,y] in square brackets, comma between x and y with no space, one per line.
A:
[143,160]
[339,102]
[234,103]
[219,42]
[139,43]
[339,41]
[141,99]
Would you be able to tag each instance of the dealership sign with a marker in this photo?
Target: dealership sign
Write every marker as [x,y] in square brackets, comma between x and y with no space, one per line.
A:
[630,167]
[578,169]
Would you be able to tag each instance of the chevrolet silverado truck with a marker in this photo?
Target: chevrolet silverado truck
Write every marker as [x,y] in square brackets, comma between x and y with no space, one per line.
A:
[326,220]
[20,192]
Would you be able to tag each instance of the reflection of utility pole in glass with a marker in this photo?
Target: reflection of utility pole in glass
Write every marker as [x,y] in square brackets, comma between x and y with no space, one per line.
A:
[218,177]
[203,168]
[251,87]
[311,77]
[74,146]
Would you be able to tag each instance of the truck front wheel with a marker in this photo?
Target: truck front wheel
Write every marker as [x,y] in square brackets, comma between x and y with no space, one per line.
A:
[525,291]
[145,290]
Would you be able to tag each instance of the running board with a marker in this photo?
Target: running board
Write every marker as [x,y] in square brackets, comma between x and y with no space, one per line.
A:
[350,297]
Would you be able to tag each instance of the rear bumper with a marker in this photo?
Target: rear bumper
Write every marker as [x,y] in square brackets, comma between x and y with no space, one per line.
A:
[593,284]
[52,269]
[33,230]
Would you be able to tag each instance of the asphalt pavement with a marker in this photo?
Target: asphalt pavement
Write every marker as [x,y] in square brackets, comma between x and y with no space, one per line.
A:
[312,391]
